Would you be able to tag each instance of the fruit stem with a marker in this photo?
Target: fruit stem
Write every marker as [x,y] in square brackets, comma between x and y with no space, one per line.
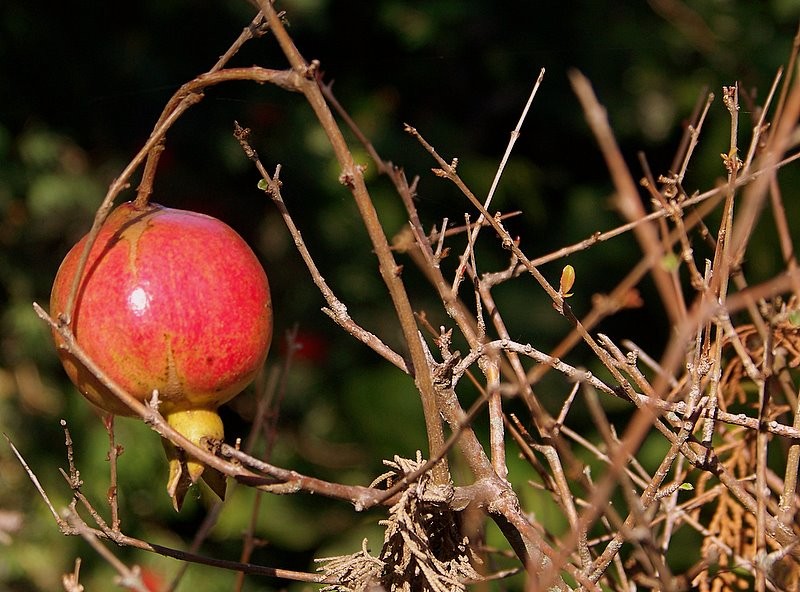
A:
[148,176]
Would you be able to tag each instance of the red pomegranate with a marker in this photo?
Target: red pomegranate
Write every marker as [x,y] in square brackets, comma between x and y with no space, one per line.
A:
[169,300]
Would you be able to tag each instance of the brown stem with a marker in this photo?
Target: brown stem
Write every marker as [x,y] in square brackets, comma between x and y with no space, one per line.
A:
[248,568]
[352,177]
[113,455]
[756,193]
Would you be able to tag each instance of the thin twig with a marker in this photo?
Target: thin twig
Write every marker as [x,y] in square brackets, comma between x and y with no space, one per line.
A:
[755,194]
[762,450]
[336,309]
[62,524]
[473,236]
[787,505]
[129,578]
[268,402]
[113,455]
[71,581]
[249,568]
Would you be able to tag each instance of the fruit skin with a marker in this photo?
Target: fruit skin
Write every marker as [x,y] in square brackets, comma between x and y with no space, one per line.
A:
[169,300]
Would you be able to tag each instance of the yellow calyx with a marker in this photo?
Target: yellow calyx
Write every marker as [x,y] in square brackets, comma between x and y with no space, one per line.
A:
[200,427]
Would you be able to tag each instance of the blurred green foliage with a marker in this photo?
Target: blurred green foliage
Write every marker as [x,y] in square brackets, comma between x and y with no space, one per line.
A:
[80,92]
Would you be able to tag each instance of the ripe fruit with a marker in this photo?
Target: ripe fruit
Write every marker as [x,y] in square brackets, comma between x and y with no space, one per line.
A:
[174,301]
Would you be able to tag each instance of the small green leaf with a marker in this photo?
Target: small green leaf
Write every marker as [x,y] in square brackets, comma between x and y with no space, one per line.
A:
[686,487]
[263,185]
[670,262]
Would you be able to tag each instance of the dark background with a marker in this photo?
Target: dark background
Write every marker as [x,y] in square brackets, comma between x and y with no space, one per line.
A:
[80,89]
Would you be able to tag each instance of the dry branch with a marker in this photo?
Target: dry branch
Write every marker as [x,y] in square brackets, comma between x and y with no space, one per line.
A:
[721,397]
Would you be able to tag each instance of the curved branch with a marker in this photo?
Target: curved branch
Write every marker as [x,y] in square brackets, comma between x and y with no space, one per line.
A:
[148,412]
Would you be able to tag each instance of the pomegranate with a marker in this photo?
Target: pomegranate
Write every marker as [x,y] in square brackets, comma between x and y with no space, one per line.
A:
[169,300]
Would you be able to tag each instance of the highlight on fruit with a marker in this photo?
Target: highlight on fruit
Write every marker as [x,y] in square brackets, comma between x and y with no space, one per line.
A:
[174,301]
